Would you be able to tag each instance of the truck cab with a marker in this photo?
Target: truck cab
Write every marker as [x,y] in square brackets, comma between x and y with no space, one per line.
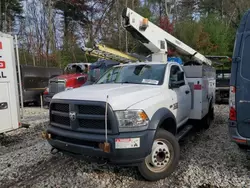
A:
[136,113]
[239,100]
[133,115]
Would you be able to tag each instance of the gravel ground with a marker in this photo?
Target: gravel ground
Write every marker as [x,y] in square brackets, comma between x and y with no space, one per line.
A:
[34,116]
[208,159]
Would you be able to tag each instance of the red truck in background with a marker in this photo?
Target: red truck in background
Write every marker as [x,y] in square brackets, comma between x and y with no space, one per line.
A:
[75,75]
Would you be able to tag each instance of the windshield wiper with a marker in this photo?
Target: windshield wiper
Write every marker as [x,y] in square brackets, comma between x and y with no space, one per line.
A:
[127,82]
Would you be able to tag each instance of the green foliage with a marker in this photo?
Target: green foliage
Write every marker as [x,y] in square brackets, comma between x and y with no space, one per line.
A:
[144,11]
[73,9]
[188,32]
[209,36]
[75,55]
[212,33]
[9,10]
[220,35]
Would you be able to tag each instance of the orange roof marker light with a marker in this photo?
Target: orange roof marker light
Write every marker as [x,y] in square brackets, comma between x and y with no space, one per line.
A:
[144,24]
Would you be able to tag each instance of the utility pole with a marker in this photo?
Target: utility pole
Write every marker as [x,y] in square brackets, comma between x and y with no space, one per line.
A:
[50,40]
[126,33]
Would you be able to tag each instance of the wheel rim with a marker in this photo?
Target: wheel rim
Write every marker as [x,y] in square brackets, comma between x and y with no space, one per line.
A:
[161,156]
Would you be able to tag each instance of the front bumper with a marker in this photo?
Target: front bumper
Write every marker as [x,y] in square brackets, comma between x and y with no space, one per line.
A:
[82,144]
[235,136]
[47,98]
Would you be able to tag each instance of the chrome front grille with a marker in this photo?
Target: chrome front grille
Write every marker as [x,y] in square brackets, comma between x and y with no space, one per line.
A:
[56,86]
[90,116]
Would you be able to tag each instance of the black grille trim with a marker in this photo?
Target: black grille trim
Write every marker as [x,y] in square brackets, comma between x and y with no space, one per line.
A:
[60,120]
[91,109]
[60,107]
[93,124]
[90,116]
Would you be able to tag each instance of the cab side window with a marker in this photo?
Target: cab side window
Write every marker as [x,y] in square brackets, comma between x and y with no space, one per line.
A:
[174,70]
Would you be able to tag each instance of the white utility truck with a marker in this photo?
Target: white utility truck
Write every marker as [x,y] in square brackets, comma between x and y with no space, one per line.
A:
[136,113]
[9,97]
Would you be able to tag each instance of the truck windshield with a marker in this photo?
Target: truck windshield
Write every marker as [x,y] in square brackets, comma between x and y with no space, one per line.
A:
[73,69]
[135,74]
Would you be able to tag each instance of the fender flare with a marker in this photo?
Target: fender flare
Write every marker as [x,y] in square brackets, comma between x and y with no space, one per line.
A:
[159,116]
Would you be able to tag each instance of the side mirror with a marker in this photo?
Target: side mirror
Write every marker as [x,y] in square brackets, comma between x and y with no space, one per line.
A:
[180,76]
[81,79]
[174,84]
[180,81]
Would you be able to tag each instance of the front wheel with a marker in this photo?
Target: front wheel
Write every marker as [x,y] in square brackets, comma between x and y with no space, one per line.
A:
[163,159]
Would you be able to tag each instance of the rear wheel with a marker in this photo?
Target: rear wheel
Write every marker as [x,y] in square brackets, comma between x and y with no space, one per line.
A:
[163,159]
[207,120]
[212,113]
[37,103]
[243,147]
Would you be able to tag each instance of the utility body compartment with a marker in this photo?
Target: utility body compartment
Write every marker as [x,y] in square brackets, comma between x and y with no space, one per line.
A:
[202,81]
[9,102]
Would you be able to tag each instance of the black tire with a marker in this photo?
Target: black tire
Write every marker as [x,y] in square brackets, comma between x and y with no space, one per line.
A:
[243,147]
[212,113]
[37,103]
[174,148]
[207,120]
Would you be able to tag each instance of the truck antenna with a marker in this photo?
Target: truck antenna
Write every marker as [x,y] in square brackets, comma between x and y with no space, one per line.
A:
[106,146]
[106,121]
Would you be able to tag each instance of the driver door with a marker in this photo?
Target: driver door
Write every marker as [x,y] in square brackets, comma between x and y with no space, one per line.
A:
[181,95]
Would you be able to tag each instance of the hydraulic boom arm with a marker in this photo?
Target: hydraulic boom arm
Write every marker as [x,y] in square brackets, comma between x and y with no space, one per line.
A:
[156,39]
[105,52]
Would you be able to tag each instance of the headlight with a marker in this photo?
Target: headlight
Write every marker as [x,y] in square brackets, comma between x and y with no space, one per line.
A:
[132,119]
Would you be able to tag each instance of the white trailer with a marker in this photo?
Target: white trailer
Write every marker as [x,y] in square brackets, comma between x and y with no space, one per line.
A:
[9,95]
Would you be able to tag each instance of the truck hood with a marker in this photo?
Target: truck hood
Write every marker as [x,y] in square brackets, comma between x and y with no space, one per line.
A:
[121,96]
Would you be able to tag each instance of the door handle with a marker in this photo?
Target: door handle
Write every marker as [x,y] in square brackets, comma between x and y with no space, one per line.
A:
[3,105]
[187,92]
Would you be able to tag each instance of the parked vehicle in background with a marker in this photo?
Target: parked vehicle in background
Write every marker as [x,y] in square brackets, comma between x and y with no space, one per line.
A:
[74,75]
[239,99]
[9,108]
[97,69]
[222,85]
[34,80]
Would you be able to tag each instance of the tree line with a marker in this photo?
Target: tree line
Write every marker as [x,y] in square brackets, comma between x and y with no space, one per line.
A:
[52,32]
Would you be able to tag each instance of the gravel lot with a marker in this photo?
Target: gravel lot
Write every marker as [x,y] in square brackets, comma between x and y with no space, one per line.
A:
[208,159]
